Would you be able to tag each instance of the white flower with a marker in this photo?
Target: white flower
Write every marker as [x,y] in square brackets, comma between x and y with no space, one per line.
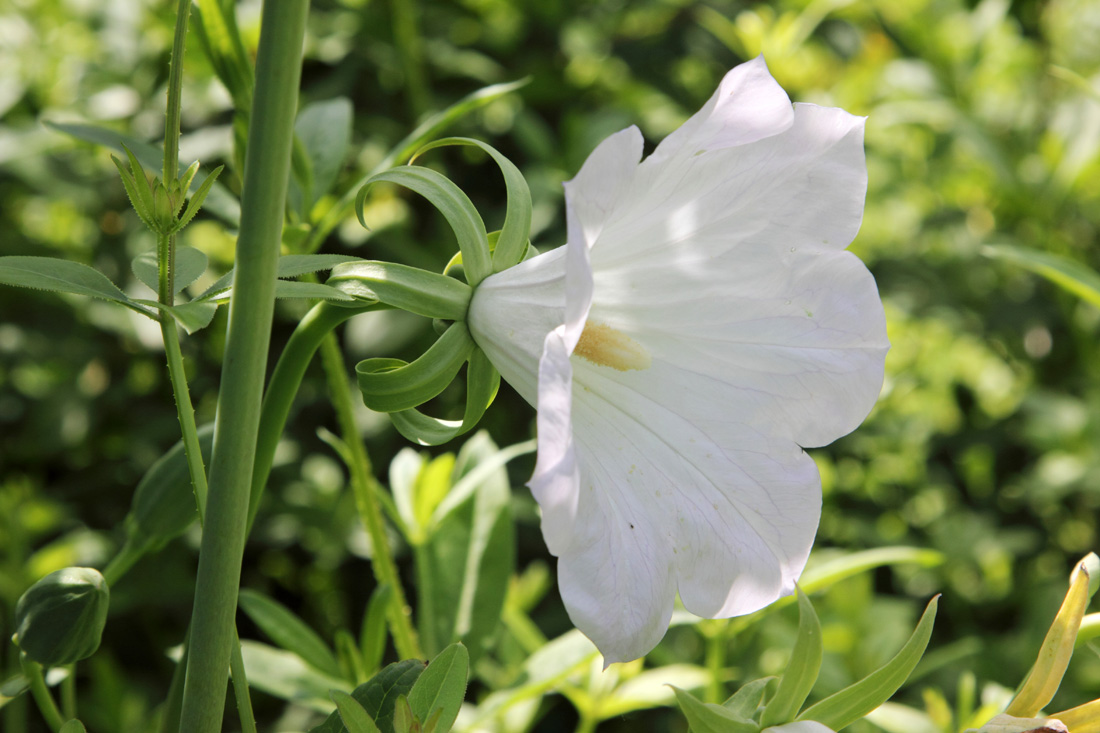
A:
[702,325]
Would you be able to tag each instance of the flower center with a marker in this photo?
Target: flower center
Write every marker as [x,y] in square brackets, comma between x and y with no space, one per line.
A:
[605,346]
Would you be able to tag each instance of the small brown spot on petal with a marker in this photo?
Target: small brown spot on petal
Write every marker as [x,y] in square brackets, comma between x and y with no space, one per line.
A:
[605,346]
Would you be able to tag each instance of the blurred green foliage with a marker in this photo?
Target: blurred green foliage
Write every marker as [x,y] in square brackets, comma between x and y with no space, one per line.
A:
[983,128]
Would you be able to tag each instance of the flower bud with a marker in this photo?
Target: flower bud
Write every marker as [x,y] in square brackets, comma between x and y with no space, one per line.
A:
[60,619]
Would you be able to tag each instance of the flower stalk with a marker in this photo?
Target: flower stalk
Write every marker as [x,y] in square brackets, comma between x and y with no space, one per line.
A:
[267,168]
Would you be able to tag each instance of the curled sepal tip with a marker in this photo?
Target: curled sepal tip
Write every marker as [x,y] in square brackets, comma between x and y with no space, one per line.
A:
[424,293]
[512,245]
[482,383]
[802,670]
[391,385]
[456,207]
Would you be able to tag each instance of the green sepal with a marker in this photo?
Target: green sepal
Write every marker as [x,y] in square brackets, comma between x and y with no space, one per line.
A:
[706,717]
[512,244]
[801,672]
[411,289]
[482,383]
[184,183]
[136,193]
[456,207]
[352,714]
[390,385]
[196,198]
[855,701]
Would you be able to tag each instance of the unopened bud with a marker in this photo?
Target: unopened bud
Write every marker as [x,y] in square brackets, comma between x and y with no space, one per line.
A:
[60,619]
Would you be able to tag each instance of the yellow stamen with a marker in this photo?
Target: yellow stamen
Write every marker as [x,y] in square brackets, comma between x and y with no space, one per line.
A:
[605,346]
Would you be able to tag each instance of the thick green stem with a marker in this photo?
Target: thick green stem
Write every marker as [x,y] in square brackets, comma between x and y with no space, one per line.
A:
[42,696]
[68,693]
[267,168]
[366,489]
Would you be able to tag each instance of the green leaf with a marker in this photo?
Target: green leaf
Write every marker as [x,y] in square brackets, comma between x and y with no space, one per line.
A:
[286,676]
[219,201]
[372,635]
[288,266]
[512,242]
[442,686]
[61,276]
[352,714]
[482,383]
[378,696]
[1079,279]
[324,130]
[216,26]
[441,120]
[801,672]
[288,631]
[855,701]
[348,657]
[746,701]
[190,265]
[466,223]
[411,289]
[73,726]
[468,558]
[705,717]
[164,500]
[389,385]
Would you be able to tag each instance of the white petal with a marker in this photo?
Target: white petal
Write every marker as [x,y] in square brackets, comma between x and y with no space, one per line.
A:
[748,105]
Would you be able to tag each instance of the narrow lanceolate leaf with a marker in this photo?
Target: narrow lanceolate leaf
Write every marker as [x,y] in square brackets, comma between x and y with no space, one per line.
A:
[466,223]
[62,276]
[372,635]
[288,631]
[745,702]
[705,717]
[801,672]
[289,266]
[442,686]
[512,244]
[324,130]
[352,714]
[197,199]
[427,294]
[1046,675]
[855,701]
[189,267]
[1079,279]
